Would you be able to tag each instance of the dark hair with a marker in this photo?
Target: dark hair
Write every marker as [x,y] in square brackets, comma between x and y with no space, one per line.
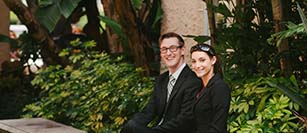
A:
[170,35]
[203,47]
[211,52]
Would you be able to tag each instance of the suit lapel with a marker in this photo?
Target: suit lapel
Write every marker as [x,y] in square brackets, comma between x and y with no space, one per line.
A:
[164,83]
[202,94]
[179,81]
[207,89]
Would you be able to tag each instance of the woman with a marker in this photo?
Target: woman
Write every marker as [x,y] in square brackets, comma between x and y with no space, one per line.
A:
[213,99]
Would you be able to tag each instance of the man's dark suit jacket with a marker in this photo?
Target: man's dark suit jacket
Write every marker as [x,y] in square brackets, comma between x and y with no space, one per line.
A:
[178,111]
[212,106]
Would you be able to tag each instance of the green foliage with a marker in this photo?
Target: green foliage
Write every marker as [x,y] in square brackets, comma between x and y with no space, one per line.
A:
[222,9]
[7,39]
[293,30]
[136,4]
[256,106]
[293,94]
[262,101]
[295,35]
[156,12]
[302,15]
[55,9]
[15,89]
[198,39]
[243,42]
[30,48]
[95,93]
[115,27]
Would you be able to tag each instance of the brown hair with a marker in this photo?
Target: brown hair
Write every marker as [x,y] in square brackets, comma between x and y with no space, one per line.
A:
[170,35]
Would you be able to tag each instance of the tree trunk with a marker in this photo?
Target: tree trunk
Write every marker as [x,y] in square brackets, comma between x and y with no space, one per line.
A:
[37,32]
[279,15]
[92,28]
[115,45]
[123,12]
[211,20]
[4,30]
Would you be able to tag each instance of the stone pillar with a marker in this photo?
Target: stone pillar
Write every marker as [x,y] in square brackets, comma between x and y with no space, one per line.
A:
[4,30]
[186,17]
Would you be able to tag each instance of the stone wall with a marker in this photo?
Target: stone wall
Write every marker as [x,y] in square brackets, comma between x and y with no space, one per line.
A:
[186,17]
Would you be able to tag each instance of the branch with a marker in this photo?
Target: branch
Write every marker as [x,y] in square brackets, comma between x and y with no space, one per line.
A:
[28,18]
[37,31]
[33,5]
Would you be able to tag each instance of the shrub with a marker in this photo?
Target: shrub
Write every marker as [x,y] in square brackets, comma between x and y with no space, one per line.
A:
[95,93]
[258,107]
[15,89]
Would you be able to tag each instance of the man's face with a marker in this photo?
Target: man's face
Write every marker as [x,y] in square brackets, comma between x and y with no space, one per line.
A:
[172,53]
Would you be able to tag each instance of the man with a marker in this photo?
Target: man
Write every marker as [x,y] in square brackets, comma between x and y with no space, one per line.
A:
[172,100]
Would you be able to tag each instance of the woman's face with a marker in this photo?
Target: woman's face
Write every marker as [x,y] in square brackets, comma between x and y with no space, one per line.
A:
[202,64]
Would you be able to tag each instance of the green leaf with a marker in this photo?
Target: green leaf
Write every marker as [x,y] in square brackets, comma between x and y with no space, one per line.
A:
[89,44]
[7,39]
[222,9]
[48,16]
[158,13]
[137,3]
[198,39]
[294,82]
[44,3]
[64,52]
[291,94]
[50,12]
[117,28]
[68,6]
[286,111]
[303,17]
[293,29]
[201,39]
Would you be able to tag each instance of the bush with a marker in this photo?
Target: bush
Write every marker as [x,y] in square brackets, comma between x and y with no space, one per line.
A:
[95,93]
[258,107]
[15,89]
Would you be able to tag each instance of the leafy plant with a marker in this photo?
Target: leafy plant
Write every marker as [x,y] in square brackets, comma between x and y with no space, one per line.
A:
[115,27]
[262,101]
[256,106]
[242,42]
[198,39]
[302,118]
[15,89]
[292,30]
[302,15]
[56,10]
[294,94]
[95,93]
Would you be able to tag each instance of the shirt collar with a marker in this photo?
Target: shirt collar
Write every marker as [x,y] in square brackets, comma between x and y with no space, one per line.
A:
[178,71]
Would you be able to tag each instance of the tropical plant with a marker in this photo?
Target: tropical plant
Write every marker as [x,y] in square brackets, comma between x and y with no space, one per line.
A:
[140,32]
[293,29]
[297,34]
[302,118]
[242,42]
[97,93]
[262,100]
[16,91]
[257,106]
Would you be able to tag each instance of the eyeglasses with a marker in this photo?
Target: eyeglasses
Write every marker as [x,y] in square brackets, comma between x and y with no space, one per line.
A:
[172,48]
[203,47]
